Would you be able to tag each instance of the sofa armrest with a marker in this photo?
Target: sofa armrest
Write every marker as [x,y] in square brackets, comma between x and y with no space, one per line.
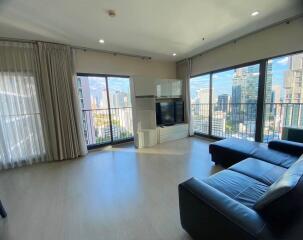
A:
[207,213]
[293,148]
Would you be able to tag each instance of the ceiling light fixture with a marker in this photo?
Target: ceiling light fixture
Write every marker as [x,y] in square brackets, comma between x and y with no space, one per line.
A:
[255,13]
[174,54]
[111,13]
[101,41]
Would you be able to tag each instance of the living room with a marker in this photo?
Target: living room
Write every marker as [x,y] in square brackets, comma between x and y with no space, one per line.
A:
[151,119]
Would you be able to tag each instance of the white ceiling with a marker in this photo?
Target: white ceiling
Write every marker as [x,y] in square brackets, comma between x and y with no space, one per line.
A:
[155,28]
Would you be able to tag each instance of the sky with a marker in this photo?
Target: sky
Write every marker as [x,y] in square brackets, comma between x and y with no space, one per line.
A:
[279,66]
[114,83]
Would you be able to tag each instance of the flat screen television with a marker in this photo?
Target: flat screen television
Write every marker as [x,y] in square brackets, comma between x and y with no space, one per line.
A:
[165,112]
[170,112]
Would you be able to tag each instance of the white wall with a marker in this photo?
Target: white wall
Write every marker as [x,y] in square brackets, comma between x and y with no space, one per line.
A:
[277,40]
[104,63]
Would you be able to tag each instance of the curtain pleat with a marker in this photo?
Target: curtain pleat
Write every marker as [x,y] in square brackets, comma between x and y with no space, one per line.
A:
[40,117]
[62,115]
[184,72]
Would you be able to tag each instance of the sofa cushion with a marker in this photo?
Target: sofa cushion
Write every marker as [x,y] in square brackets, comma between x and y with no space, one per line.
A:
[238,186]
[260,170]
[290,147]
[232,150]
[282,186]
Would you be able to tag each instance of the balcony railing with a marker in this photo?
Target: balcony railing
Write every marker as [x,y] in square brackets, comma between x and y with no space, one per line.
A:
[239,119]
[102,126]
[227,120]
[279,115]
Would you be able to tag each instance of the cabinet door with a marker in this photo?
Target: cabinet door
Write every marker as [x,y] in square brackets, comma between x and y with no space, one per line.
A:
[144,86]
[176,88]
[163,88]
[167,88]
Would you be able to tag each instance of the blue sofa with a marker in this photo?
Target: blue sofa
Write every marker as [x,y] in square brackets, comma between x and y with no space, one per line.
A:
[259,196]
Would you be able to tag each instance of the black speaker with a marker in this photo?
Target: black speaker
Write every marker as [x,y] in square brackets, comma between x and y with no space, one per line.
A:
[179,111]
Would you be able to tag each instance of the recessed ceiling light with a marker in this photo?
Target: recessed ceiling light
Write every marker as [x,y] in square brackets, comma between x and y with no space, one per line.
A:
[255,13]
[174,54]
[111,13]
[101,41]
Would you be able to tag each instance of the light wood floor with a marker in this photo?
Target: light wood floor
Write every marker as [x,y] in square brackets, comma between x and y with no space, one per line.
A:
[114,193]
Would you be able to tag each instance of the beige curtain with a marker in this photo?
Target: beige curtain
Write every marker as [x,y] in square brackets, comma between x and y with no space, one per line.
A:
[184,72]
[40,116]
[60,106]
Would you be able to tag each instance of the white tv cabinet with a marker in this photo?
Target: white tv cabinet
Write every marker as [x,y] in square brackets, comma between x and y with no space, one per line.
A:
[174,132]
[145,92]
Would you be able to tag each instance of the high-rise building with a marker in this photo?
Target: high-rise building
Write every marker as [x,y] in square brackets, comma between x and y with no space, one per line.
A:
[223,103]
[203,95]
[268,82]
[86,105]
[251,84]
[219,123]
[245,94]
[293,86]
[276,96]
[238,87]
[293,81]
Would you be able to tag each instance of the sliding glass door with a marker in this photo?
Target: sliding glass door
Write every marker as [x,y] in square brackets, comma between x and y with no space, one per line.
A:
[120,108]
[224,104]
[235,94]
[284,95]
[106,108]
[199,96]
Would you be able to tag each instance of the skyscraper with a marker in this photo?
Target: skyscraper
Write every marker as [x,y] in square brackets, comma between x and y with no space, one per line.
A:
[223,103]
[293,80]
[293,86]
[245,94]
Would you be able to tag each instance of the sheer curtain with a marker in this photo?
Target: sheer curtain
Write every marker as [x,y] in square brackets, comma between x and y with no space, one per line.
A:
[21,134]
[40,117]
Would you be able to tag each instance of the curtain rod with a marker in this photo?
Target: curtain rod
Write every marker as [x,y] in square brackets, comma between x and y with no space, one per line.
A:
[77,47]
[287,20]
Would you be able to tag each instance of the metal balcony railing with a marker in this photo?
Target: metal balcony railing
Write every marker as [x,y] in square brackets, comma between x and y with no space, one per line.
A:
[227,120]
[239,119]
[102,126]
[279,115]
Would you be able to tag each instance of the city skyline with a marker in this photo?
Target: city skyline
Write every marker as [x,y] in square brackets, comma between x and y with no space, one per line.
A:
[223,81]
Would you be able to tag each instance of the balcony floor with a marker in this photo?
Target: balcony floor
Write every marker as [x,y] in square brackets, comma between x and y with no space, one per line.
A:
[115,193]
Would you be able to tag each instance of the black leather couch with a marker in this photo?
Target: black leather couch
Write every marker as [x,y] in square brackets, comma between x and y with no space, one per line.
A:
[259,197]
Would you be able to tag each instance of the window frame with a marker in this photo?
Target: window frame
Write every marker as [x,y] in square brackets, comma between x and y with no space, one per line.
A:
[261,91]
[106,76]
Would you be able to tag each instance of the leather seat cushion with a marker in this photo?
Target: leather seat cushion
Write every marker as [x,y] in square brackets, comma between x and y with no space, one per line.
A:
[260,170]
[238,186]
[283,185]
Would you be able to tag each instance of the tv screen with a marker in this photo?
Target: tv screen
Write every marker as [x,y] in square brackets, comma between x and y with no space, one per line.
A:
[165,113]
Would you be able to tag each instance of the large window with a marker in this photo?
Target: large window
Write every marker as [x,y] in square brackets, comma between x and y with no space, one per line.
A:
[231,110]
[106,107]
[226,103]
[235,94]
[284,95]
